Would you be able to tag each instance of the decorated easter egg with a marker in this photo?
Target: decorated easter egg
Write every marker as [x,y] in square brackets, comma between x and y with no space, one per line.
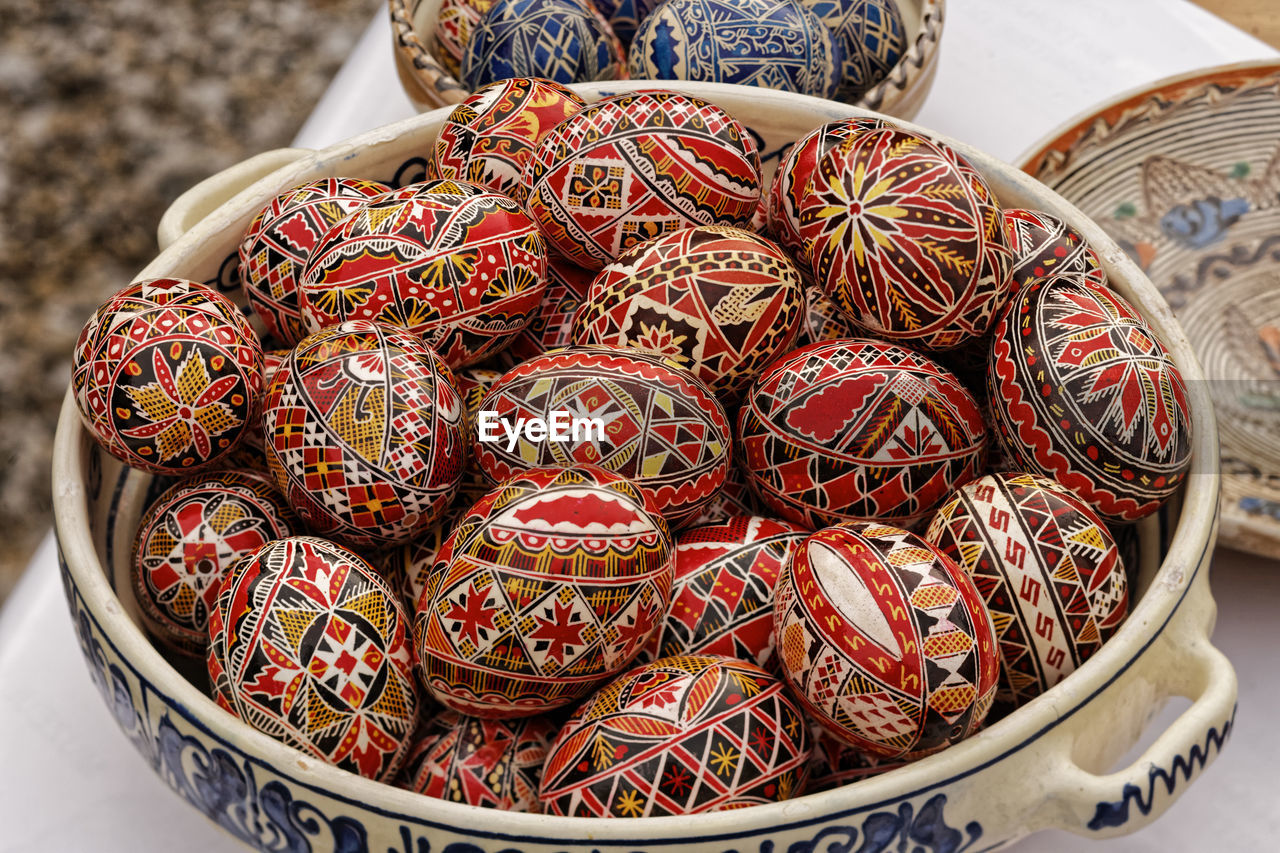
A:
[167,375]
[681,735]
[774,44]
[906,238]
[457,264]
[551,326]
[410,564]
[250,453]
[309,645]
[1044,245]
[473,384]
[275,247]
[1047,568]
[1082,391]
[632,167]
[186,542]
[624,16]
[635,414]
[885,640]
[455,22]
[489,136]
[722,597]
[719,301]
[496,764]
[735,498]
[858,430]
[822,320]
[870,37]
[567,41]
[795,171]
[365,433]
[548,585]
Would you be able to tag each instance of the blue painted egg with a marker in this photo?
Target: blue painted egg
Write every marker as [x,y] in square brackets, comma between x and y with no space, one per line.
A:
[774,44]
[870,36]
[625,16]
[566,41]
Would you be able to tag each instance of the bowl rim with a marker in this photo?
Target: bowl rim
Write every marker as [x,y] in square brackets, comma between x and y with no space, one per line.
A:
[1183,562]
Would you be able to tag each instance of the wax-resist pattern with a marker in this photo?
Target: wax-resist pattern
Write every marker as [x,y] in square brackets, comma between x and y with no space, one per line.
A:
[885,640]
[722,597]
[167,375]
[1048,570]
[495,764]
[453,262]
[1083,391]
[625,16]
[858,430]
[641,416]
[774,44]
[275,247]
[455,22]
[365,433]
[566,41]
[870,36]
[681,735]
[906,238]
[186,542]
[719,301]
[791,180]
[551,326]
[490,135]
[309,645]
[735,498]
[632,167]
[822,320]
[1044,245]
[550,584]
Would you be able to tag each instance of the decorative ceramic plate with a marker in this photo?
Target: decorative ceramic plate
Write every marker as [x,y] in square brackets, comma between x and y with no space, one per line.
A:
[1185,175]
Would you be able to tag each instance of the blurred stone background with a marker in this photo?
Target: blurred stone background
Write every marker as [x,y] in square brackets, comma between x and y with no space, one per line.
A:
[110,110]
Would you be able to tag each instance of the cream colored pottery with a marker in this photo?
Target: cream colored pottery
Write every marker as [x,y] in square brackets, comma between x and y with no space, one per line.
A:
[1049,764]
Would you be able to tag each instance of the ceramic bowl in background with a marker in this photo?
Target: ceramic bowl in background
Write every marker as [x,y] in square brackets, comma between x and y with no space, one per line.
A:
[429,85]
[1185,176]
[1051,763]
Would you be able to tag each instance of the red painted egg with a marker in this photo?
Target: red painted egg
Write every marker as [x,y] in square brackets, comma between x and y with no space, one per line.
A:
[455,22]
[735,498]
[795,171]
[1047,568]
[489,137]
[250,454]
[1083,391]
[167,375]
[635,414]
[311,646]
[722,598]
[365,433]
[1044,245]
[186,542]
[549,585]
[720,302]
[906,238]
[681,735]
[632,167]
[858,430]
[495,764]
[885,640]
[551,326]
[473,384]
[459,265]
[822,320]
[275,247]
[409,565]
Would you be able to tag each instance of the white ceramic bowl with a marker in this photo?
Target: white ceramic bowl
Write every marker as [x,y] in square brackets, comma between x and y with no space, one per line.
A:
[429,85]
[1047,765]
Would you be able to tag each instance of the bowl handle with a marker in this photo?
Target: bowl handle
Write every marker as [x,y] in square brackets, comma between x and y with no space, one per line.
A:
[1103,805]
[201,200]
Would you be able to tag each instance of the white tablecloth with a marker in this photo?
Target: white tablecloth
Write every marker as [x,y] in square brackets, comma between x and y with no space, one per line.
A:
[70,781]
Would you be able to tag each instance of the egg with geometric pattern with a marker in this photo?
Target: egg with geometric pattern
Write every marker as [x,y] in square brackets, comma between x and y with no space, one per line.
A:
[566,41]
[310,645]
[681,735]
[548,585]
[885,640]
[1047,568]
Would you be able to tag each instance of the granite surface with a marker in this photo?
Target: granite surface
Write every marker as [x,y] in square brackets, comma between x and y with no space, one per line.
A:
[108,112]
